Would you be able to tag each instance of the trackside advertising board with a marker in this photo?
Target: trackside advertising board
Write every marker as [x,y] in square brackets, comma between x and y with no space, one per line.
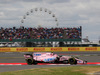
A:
[47,49]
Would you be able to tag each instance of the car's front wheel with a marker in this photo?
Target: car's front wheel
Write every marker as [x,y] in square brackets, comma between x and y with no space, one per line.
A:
[29,61]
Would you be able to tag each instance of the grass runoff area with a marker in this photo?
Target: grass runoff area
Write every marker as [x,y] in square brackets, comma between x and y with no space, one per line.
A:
[68,70]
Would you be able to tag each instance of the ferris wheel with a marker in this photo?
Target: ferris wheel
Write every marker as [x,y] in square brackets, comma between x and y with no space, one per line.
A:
[43,10]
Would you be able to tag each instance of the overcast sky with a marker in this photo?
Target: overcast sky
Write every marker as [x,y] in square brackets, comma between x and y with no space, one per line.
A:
[70,13]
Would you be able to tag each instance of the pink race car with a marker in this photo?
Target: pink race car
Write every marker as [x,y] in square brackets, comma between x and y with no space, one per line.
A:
[48,57]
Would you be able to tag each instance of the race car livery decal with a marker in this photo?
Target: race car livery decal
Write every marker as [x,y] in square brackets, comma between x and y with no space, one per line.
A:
[80,61]
[48,59]
[37,54]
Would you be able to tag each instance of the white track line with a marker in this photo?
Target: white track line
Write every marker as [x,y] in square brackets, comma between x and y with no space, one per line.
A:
[57,64]
[9,64]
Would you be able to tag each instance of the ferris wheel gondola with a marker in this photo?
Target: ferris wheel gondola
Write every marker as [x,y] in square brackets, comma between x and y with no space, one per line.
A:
[40,9]
[53,15]
[31,10]
[45,10]
[27,13]
[24,17]
[36,9]
[49,12]
[56,19]
[22,21]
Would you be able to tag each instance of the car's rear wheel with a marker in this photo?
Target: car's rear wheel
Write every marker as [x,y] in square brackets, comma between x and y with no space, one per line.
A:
[29,61]
[72,61]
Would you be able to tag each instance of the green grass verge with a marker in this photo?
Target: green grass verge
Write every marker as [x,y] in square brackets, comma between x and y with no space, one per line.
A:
[68,70]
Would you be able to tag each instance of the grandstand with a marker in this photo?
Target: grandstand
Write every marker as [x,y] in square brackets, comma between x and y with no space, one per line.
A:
[40,33]
[43,37]
[30,37]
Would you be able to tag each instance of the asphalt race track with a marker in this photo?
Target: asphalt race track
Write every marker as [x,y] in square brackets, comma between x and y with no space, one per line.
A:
[10,57]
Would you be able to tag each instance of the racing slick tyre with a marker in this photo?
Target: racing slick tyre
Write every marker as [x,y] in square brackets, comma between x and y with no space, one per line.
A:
[72,61]
[29,61]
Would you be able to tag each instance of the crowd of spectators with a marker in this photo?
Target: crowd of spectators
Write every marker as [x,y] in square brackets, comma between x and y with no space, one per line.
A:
[40,33]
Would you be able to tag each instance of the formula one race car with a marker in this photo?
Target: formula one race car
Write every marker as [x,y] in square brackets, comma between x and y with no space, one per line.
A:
[49,57]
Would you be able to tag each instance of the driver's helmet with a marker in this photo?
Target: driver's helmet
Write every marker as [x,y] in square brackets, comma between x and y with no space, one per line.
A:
[51,53]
